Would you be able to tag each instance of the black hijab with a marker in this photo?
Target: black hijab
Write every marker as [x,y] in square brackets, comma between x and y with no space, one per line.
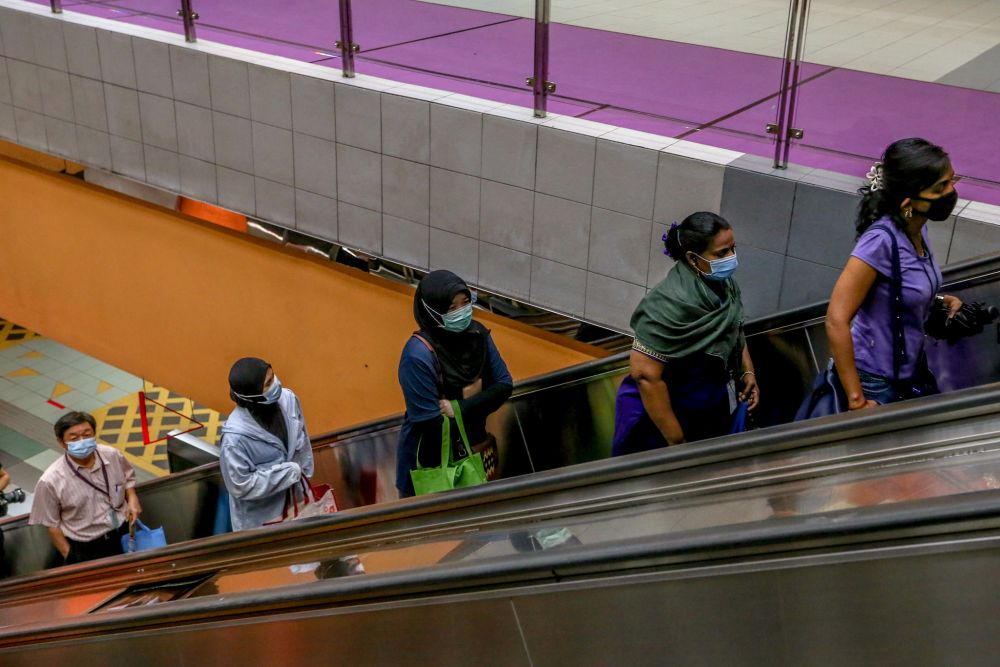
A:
[461,355]
[246,379]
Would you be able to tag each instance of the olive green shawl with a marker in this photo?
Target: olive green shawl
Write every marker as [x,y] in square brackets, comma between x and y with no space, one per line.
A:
[683,315]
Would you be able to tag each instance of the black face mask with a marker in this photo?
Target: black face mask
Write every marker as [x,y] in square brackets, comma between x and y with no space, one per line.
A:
[940,208]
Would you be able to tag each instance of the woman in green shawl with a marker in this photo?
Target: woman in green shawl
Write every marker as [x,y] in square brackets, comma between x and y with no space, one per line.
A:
[689,353]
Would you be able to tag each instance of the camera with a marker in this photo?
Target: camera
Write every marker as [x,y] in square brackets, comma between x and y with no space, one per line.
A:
[970,320]
[15,496]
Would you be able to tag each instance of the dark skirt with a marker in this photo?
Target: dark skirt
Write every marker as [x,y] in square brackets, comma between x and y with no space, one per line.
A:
[699,396]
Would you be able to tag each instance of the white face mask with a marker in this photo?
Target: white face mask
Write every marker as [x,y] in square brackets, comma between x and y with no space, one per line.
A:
[273,392]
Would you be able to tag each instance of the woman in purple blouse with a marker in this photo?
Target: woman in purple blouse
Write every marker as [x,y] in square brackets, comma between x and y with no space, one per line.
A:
[876,361]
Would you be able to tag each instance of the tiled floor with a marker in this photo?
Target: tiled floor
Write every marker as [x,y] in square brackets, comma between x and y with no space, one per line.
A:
[41,379]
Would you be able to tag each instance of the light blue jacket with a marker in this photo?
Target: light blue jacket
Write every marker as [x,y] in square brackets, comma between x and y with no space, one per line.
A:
[256,468]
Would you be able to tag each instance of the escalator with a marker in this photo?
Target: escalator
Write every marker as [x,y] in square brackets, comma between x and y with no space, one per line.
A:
[875,540]
[780,465]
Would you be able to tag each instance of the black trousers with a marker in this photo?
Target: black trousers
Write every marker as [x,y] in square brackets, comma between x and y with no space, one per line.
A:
[108,544]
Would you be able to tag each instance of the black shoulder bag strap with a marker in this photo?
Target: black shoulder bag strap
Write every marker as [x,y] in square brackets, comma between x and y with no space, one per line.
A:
[896,304]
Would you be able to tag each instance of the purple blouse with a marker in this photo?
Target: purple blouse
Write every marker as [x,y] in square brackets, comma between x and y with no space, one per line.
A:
[871,330]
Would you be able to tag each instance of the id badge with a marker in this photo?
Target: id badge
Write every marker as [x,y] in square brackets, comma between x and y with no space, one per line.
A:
[114,519]
[731,390]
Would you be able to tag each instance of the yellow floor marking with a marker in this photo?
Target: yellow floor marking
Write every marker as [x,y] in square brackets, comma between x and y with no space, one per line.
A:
[23,373]
[59,390]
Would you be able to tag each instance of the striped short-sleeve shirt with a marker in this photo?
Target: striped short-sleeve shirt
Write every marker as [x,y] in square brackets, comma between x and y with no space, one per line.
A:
[83,511]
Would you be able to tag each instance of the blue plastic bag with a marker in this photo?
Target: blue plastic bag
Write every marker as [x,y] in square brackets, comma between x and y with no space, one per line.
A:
[141,537]
[740,421]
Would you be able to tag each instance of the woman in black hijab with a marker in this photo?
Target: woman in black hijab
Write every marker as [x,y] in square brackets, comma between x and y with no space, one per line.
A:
[451,357]
[265,447]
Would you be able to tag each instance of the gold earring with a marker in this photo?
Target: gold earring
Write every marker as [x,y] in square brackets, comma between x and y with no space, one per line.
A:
[907,212]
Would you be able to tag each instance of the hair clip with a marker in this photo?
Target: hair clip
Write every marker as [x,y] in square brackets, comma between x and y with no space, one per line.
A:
[876,177]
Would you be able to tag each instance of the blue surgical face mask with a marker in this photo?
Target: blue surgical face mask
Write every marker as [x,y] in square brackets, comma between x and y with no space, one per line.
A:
[720,269]
[81,449]
[459,319]
[273,392]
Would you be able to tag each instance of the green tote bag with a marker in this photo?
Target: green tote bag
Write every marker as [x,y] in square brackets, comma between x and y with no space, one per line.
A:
[451,474]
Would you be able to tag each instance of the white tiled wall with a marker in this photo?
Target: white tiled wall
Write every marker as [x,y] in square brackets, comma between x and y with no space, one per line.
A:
[562,212]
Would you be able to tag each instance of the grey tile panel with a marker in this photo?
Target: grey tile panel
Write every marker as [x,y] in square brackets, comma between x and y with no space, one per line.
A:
[82,53]
[359,178]
[765,165]
[359,228]
[236,190]
[25,87]
[89,107]
[940,234]
[509,149]
[94,147]
[57,97]
[15,31]
[230,84]
[50,47]
[625,178]
[316,215]
[980,73]
[611,302]
[760,279]
[30,129]
[127,158]
[61,138]
[406,128]
[117,61]
[195,136]
[456,253]
[558,286]
[565,165]
[275,202]
[159,122]
[8,128]
[659,262]
[233,142]
[189,73]
[405,241]
[973,239]
[833,180]
[271,96]
[823,225]
[273,157]
[152,67]
[507,216]
[315,165]
[313,107]
[504,270]
[685,186]
[123,112]
[358,117]
[162,168]
[198,179]
[561,230]
[619,246]
[405,190]
[805,282]
[455,202]
[456,139]
[5,97]
[759,207]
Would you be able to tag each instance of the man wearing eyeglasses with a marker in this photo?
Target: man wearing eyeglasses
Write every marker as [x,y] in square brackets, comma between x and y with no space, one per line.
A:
[87,497]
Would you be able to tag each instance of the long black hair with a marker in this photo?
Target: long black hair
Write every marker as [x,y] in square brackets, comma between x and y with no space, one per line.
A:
[908,167]
[694,234]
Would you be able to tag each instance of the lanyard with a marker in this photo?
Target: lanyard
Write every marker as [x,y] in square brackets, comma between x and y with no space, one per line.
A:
[107,484]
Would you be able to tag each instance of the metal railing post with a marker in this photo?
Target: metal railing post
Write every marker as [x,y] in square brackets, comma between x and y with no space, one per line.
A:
[56,6]
[791,67]
[188,17]
[346,42]
[539,83]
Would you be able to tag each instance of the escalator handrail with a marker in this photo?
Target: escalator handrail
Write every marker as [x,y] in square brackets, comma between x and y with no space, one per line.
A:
[839,528]
[971,402]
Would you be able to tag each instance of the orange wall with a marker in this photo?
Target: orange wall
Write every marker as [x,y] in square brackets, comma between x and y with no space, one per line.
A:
[176,301]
